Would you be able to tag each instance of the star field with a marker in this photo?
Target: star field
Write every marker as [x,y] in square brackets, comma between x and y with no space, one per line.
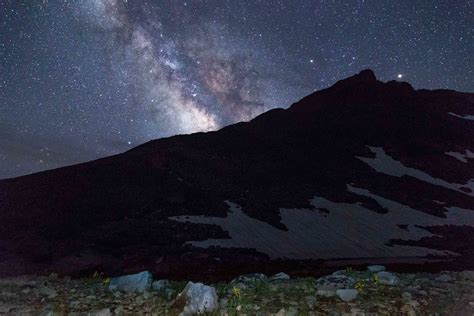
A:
[81,80]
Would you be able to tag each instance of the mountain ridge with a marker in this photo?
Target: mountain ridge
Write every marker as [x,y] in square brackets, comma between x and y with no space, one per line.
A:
[387,139]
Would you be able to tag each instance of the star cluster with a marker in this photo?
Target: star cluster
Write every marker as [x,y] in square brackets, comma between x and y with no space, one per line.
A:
[81,80]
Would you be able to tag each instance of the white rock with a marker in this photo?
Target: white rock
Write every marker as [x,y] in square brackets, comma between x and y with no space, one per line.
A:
[347,295]
[281,276]
[376,268]
[198,299]
[388,278]
[139,282]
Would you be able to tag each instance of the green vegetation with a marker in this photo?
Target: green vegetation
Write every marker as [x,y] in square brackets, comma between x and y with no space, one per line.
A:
[177,286]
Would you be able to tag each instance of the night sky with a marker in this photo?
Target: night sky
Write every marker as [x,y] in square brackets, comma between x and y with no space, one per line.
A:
[86,79]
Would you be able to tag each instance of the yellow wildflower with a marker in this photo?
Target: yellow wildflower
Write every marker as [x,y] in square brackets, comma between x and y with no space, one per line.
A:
[236,292]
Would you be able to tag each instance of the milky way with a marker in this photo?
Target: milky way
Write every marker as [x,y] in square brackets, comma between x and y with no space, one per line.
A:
[81,80]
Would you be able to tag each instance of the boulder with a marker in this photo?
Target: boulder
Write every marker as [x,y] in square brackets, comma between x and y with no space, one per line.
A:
[196,298]
[280,276]
[388,278]
[250,278]
[375,268]
[347,295]
[139,282]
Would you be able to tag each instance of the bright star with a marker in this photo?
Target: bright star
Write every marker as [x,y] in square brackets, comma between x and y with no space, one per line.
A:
[311,61]
[399,76]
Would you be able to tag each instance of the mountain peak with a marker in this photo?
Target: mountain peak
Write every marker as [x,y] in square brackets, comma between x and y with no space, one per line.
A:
[361,88]
[366,75]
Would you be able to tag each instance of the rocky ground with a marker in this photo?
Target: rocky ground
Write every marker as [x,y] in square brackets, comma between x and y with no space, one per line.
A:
[347,292]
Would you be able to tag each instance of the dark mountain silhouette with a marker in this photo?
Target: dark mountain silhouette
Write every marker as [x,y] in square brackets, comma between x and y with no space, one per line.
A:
[361,172]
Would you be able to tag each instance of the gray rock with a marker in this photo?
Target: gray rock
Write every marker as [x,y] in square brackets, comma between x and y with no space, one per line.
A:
[281,276]
[160,285]
[311,301]
[120,310]
[339,272]
[102,312]
[422,280]
[26,291]
[376,268]
[335,282]
[468,275]
[49,292]
[444,278]
[5,308]
[388,278]
[410,276]
[197,298]
[326,291]
[292,311]
[250,278]
[347,295]
[281,312]
[117,294]
[50,313]
[170,293]
[139,282]
[407,296]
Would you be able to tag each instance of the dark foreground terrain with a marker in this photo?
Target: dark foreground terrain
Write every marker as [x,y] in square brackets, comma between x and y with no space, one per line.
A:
[446,293]
[361,172]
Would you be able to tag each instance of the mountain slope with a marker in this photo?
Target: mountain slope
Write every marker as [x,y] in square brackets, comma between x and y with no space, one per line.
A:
[362,171]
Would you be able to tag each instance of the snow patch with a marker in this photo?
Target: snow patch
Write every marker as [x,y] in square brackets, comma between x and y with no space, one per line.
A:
[466,117]
[347,231]
[460,156]
[385,164]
